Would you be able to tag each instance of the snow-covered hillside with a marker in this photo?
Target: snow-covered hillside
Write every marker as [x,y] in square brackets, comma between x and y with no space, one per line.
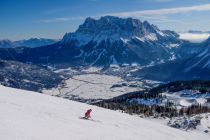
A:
[187,98]
[32,116]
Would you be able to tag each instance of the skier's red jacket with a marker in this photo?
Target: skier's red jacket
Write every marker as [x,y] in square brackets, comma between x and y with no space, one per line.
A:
[87,114]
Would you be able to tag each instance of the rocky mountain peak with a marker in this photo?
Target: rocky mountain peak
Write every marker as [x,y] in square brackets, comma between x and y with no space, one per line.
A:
[114,28]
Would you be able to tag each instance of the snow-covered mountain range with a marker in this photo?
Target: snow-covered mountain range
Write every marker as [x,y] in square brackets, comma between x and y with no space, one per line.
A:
[31,43]
[114,28]
[117,40]
[109,40]
[195,66]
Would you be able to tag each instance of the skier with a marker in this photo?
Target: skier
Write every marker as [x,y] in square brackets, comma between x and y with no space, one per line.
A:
[87,114]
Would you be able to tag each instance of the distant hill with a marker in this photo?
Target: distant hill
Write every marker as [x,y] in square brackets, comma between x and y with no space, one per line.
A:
[31,43]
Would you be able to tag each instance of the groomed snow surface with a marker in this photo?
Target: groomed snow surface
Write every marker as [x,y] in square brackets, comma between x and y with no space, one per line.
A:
[28,115]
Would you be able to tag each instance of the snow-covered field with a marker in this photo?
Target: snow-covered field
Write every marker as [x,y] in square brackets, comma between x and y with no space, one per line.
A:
[28,115]
[93,86]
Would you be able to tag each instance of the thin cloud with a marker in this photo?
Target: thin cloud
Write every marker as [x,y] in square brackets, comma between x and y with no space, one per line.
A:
[205,7]
[194,37]
[166,20]
[61,19]
[159,15]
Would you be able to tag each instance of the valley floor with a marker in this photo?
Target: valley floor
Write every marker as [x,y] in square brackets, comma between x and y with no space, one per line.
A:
[94,86]
[29,115]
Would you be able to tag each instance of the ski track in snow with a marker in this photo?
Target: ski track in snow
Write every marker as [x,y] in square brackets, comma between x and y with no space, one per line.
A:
[29,115]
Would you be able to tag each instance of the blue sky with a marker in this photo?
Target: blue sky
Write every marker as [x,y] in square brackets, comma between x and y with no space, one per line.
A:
[53,18]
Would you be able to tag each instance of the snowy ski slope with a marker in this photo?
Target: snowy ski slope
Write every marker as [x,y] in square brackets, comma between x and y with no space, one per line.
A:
[26,115]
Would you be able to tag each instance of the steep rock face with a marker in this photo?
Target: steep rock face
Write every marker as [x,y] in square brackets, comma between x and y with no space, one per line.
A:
[112,39]
[114,28]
